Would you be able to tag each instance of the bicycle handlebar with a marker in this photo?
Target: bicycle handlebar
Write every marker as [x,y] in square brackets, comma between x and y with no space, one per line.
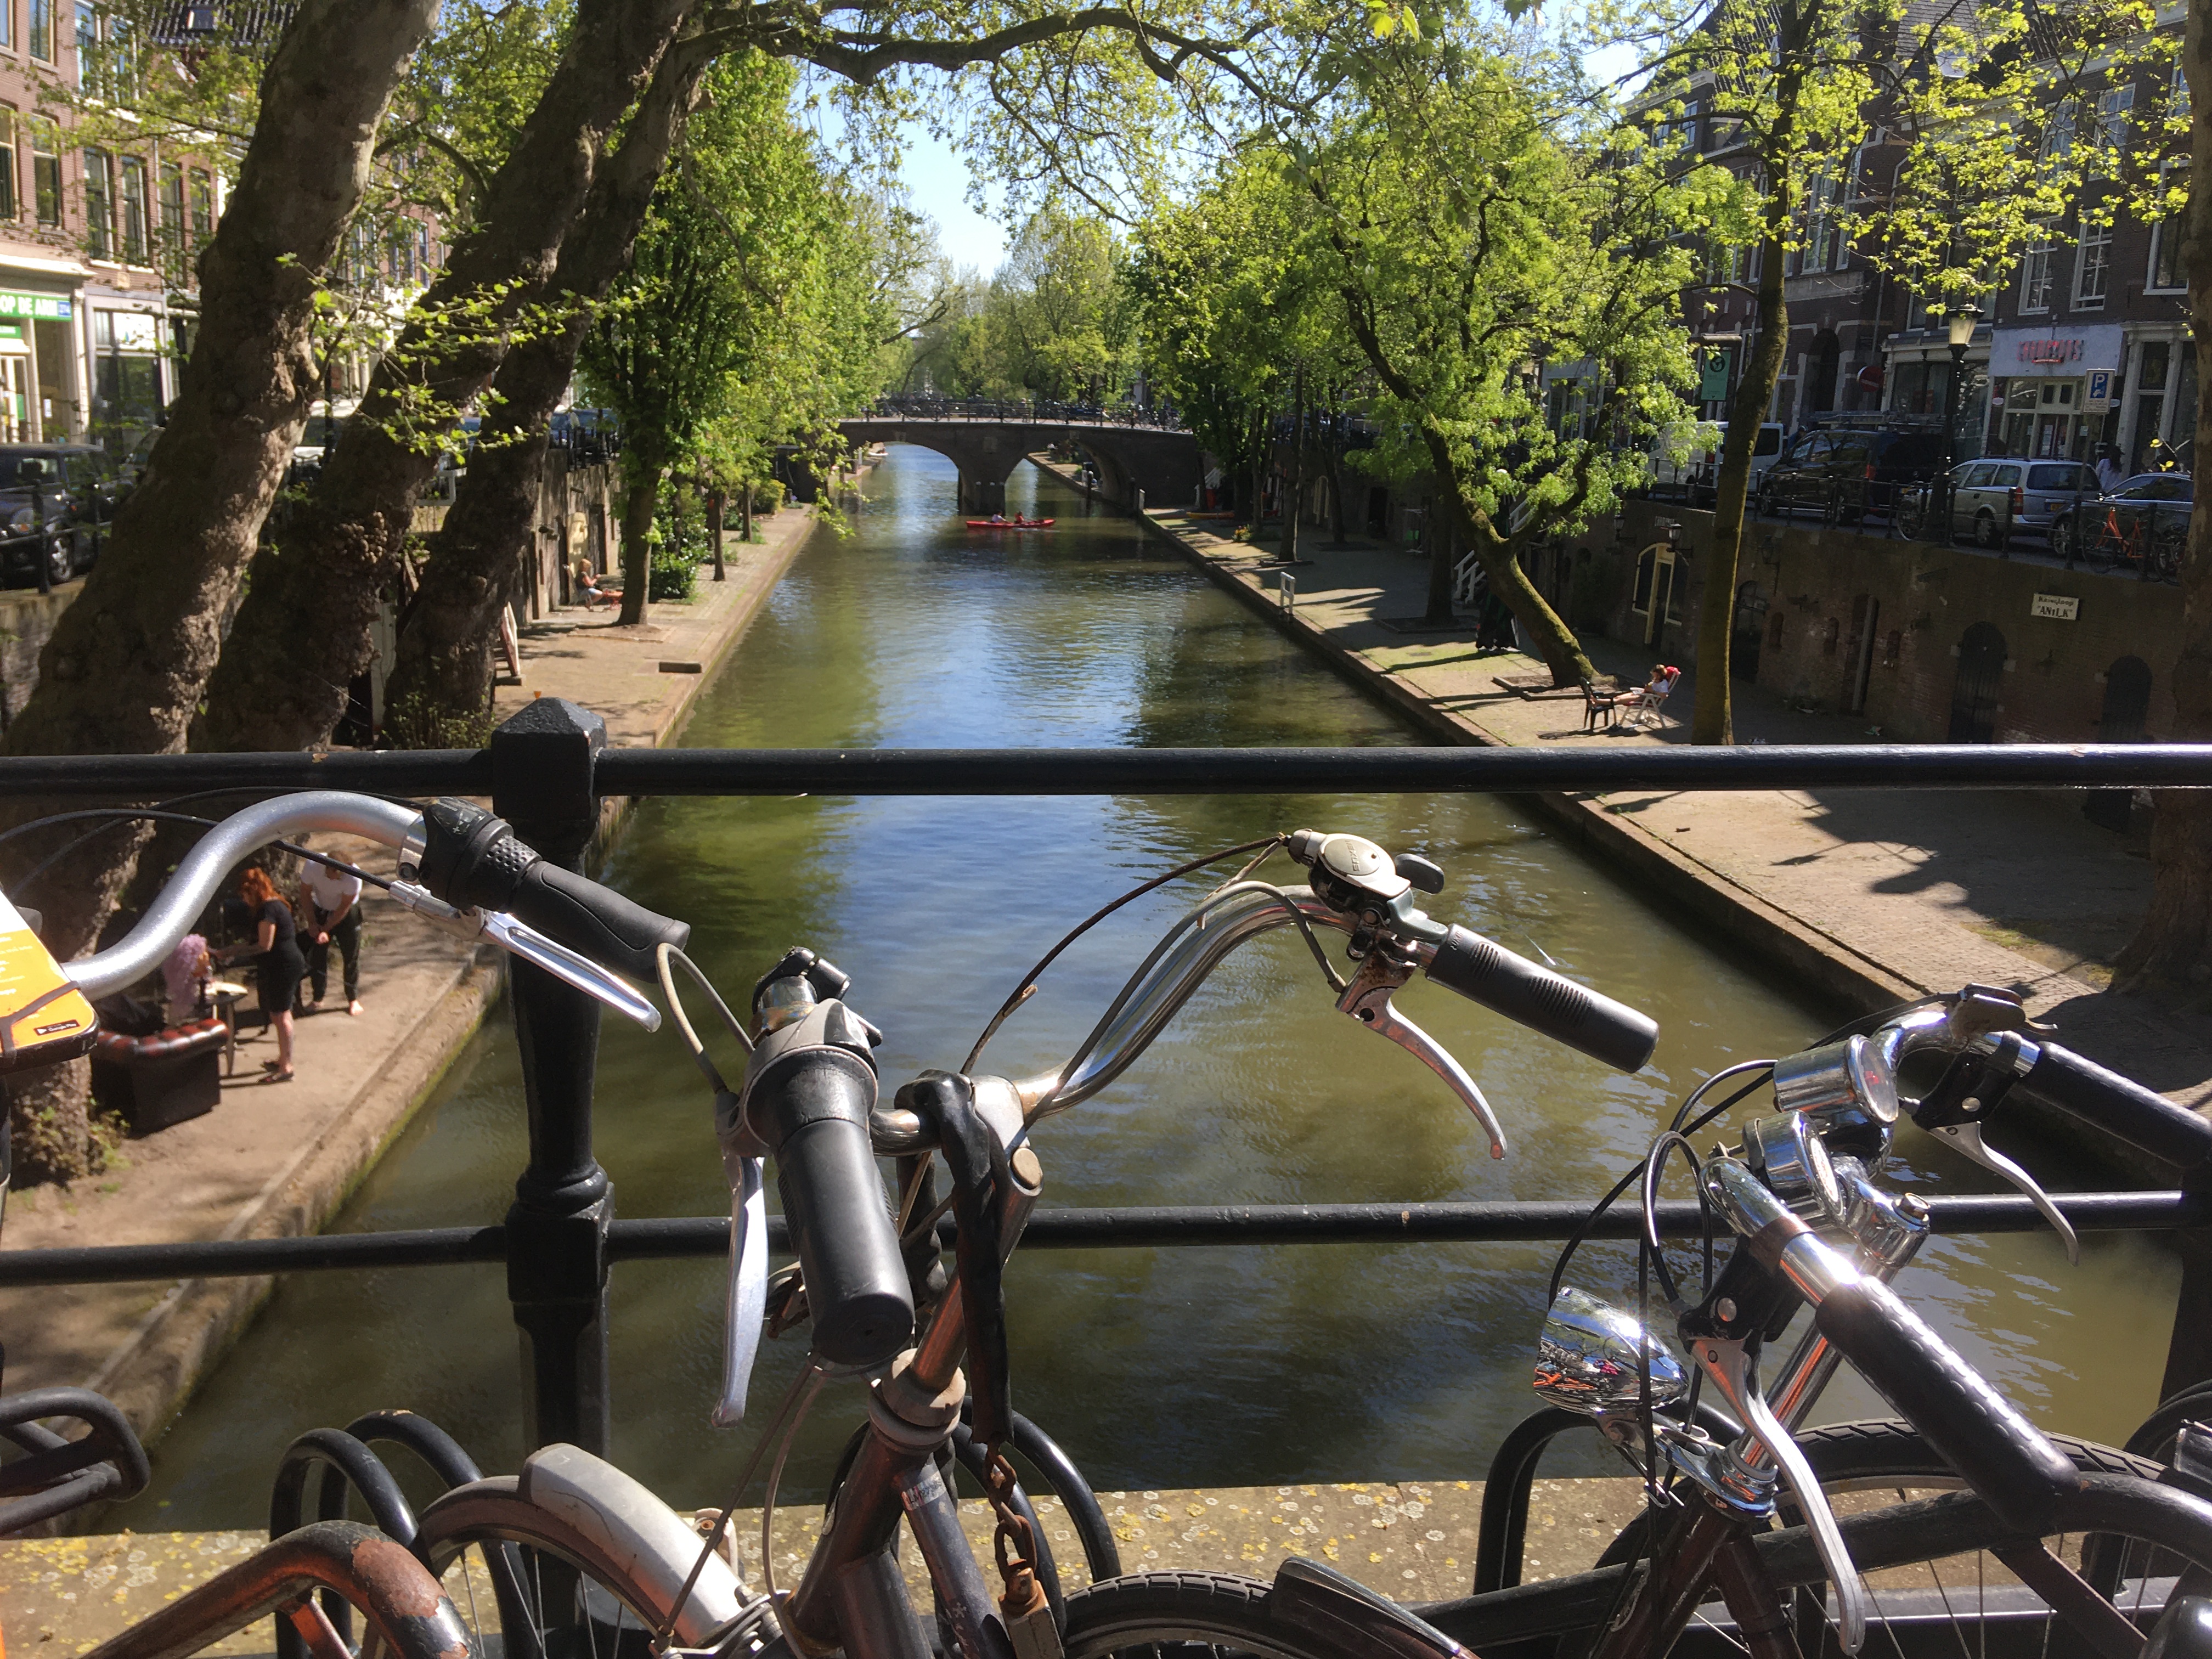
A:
[1547,1003]
[2111,1102]
[203,872]
[471,859]
[808,1092]
[1973,1427]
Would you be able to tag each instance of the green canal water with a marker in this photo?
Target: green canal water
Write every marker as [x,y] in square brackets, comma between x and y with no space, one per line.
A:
[1154,1367]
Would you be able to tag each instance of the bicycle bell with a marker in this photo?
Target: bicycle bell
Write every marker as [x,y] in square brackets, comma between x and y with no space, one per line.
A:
[1850,1087]
[1351,872]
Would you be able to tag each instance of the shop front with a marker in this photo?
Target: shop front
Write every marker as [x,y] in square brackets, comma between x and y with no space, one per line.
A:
[2054,392]
[38,317]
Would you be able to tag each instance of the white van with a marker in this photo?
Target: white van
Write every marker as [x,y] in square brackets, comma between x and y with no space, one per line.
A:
[1685,458]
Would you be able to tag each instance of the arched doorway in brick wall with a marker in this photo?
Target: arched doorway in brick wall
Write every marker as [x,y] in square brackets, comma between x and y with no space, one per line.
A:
[1974,694]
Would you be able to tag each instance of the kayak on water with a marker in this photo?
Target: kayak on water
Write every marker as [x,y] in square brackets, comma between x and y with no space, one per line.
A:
[1010,524]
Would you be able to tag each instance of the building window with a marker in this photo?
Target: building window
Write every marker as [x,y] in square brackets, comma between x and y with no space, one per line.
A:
[45,173]
[87,47]
[2035,276]
[99,203]
[203,207]
[134,210]
[2113,108]
[8,24]
[172,204]
[1824,239]
[7,206]
[42,30]
[2092,267]
[2167,275]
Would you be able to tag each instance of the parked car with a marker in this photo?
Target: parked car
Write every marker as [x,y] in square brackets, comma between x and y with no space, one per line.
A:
[1823,468]
[2161,502]
[56,501]
[1685,458]
[1990,498]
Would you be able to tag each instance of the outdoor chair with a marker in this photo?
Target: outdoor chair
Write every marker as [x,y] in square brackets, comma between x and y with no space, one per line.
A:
[1646,707]
[1598,704]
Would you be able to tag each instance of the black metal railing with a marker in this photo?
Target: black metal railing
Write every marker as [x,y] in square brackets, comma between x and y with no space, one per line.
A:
[914,407]
[547,770]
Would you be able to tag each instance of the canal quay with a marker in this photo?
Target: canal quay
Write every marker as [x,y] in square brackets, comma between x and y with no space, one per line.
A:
[1224,1370]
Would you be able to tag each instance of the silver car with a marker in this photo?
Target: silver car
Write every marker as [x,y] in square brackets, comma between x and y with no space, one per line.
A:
[1992,499]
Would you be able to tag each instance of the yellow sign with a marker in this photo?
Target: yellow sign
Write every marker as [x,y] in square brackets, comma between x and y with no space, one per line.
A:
[43,1017]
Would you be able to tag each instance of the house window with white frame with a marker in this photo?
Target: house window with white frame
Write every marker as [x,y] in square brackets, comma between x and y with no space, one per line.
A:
[2167,275]
[2092,266]
[2035,276]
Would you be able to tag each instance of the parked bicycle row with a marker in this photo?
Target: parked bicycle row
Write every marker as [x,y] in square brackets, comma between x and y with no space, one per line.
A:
[1955,1525]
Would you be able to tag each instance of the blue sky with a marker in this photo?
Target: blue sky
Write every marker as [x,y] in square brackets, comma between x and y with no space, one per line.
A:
[936,179]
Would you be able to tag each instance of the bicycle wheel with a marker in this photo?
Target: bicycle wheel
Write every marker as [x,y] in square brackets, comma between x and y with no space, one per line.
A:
[1944,1574]
[1205,1615]
[600,1561]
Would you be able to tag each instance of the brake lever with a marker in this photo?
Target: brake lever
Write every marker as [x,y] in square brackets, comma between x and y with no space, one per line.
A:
[1367,1000]
[1966,1139]
[518,938]
[748,1301]
[1727,1362]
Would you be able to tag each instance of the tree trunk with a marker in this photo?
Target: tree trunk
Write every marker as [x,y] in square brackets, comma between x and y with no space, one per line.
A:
[442,659]
[281,685]
[1297,484]
[1443,555]
[2174,943]
[129,659]
[1335,462]
[641,467]
[714,531]
[1260,448]
[1500,559]
[1713,720]
[745,513]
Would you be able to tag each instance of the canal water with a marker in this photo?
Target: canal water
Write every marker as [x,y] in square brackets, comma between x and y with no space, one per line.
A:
[1155,1368]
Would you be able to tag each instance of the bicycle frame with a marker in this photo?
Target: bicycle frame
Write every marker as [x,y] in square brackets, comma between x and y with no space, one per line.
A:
[852,1594]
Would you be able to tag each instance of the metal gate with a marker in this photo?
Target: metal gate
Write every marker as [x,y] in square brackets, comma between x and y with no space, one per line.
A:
[1974,694]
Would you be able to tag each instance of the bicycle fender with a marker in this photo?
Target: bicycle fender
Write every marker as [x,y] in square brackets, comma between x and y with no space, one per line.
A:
[1318,1601]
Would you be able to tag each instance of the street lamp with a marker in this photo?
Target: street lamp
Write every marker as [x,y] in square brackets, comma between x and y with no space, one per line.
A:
[1959,327]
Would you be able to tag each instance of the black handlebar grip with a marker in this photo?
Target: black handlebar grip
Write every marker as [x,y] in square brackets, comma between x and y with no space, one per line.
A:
[2121,1106]
[2018,1473]
[1544,1001]
[578,912]
[470,858]
[811,1108]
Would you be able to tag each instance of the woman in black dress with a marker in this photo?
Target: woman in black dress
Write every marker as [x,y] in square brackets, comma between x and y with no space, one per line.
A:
[278,965]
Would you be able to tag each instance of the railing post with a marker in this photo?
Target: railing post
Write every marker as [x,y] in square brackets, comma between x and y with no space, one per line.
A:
[556,1232]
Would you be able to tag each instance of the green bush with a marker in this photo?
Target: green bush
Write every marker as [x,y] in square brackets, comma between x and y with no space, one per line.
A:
[768,497]
[671,572]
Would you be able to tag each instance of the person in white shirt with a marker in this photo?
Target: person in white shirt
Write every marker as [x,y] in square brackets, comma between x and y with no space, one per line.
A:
[332,900]
[2110,475]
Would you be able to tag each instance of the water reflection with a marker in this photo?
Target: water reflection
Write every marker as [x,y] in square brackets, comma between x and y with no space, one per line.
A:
[1156,1367]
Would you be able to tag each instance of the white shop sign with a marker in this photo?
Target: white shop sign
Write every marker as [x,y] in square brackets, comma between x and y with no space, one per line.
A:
[2054,353]
[2057,607]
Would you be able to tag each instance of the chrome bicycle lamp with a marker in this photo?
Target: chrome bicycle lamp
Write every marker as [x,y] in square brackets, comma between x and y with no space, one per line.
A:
[1591,1358]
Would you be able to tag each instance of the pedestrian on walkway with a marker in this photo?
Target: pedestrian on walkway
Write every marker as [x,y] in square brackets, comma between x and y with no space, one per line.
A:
[277,964]
[331,902]
[2110,475]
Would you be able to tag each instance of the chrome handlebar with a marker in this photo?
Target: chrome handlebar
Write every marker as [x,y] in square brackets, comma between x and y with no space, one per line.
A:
[1192,951]
[203,870]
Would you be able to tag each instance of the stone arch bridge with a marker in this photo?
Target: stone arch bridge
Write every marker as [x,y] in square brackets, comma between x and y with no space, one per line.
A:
[986,445]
